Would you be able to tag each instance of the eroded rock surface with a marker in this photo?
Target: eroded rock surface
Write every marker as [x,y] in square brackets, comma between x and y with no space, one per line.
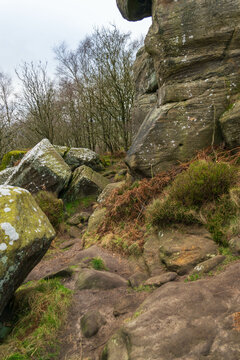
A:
[5,174]
[76,157]
[187,321]
[85,181]
[178,250]
[25,235]
[42,168]
[194,46]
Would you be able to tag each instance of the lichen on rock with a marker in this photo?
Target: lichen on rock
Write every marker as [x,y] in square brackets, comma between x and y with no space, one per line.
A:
[25,235]
[42,168]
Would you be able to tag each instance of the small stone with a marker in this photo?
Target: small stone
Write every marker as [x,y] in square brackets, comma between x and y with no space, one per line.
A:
[161,279]
[78,218]
[208,265]
[91,322]
[93,279]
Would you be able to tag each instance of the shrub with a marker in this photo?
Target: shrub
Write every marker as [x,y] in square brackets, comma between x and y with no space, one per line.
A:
[163,213]
[98,264]
[219,217]
[51,206]
[203,181]
[40,309]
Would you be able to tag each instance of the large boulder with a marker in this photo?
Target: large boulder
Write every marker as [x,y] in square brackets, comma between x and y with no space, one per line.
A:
[134,10]
[85,181]
[42,168]
[76,157]
[194,46]
[5,174]
[188,321]
[25,235]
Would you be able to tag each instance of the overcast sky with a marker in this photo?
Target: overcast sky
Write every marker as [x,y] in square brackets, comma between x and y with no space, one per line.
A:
[30,29]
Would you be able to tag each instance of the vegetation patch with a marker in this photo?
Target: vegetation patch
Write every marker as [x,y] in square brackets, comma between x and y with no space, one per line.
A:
[201,194]
[51,206]
[190,193]
[12,158]
[79,204]
[41,309]
[97,263]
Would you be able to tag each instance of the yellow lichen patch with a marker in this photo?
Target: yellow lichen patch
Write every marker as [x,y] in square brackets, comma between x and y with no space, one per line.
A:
[22,224]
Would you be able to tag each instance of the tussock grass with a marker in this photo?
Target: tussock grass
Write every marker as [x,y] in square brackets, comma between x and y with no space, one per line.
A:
[41,308]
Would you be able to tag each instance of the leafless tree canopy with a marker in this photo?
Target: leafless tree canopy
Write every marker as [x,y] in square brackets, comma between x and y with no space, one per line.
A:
[87,105]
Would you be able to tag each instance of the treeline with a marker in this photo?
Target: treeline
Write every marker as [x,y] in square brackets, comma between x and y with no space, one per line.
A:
[87,104]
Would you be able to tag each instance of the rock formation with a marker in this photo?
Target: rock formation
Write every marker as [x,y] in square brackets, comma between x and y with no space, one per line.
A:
[57,169]
[42,168]
[25,236]
[187,321]
[195,49]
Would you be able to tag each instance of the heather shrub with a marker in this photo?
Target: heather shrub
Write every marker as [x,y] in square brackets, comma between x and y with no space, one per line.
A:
[165,212]
[203,181]
[51,206]
[220,217]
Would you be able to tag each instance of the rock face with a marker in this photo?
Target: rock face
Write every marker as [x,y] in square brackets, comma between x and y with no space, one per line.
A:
[146,87]
[178,250]
[187,321]
[229,123]
[5,174]
[194,46]
[76,157]
[42,168]
[25,235]
[135,9]
[85,181]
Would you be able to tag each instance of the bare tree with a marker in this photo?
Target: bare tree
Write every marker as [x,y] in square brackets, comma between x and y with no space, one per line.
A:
[100,76]
[37,105]
[7,111]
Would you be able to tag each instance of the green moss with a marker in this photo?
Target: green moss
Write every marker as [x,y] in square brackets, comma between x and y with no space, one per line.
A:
[98,264]
[10,158]
[51,206]
[40,309]
[79,204]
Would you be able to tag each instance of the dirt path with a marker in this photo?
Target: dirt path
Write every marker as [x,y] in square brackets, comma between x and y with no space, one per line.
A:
[115,305]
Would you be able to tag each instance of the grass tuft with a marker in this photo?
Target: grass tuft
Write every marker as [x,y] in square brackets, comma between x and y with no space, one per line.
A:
[41,308]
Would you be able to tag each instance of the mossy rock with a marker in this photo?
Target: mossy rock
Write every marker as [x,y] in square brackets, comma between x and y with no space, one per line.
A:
[25,236]
[10,158]
[85,181]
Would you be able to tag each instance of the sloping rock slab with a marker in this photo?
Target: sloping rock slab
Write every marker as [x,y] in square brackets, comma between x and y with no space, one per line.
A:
[181,250]
[25,235]
[5,174]
[108,190]
[85,181]
[187,321]
[93,279]
[42,168]
[76,157]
